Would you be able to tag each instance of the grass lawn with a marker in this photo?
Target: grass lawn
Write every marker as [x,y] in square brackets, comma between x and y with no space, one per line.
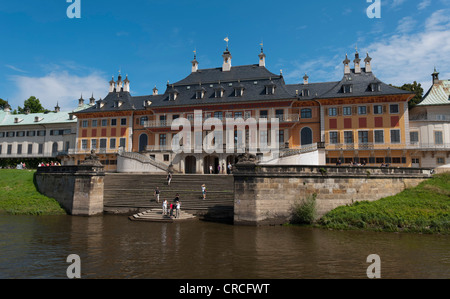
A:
[425,209]
[18,195]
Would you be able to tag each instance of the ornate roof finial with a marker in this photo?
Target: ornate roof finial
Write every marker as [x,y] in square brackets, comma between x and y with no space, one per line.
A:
[227,40]
[262,46]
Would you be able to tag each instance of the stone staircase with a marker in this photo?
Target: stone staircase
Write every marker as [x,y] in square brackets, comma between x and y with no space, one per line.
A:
[133,193]
[156,215]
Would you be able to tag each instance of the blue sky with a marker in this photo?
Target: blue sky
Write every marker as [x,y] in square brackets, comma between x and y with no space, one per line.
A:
[52,57]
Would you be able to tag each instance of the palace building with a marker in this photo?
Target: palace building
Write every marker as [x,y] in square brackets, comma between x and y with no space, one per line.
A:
[356,119]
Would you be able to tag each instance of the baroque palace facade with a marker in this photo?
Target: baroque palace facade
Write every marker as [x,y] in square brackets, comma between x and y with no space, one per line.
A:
[357,119]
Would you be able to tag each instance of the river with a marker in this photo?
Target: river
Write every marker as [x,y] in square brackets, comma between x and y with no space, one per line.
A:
[114,247]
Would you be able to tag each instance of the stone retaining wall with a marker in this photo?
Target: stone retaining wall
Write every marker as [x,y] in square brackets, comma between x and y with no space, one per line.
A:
[266,194]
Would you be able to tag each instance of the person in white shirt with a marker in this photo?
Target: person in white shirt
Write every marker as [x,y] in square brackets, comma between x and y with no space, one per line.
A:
[164,206]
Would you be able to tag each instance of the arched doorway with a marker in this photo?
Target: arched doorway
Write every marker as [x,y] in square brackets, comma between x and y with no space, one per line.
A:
[212,161]
[190,164]
[143,142]
[306,136]
[54,148]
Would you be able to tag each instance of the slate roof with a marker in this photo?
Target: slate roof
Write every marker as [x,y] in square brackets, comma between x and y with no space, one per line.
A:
[361,86]
[438,94]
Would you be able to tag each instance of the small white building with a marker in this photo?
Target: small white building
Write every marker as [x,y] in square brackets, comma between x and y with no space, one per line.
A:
[429,126]
[37,135]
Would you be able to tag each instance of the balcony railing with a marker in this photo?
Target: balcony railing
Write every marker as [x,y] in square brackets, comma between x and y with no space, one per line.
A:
[370,145]
[282,118]
[424,117]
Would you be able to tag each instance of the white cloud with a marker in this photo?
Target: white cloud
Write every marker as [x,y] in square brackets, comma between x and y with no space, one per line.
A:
[59,87]
[406,24]
[407,57]
[424,4]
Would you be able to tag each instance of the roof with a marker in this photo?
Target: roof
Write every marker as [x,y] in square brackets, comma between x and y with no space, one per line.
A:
[111,103]
[438,94]
[8,119]
[361,86]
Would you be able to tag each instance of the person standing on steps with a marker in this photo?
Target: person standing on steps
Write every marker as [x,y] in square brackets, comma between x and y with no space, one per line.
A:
[223,168]
[204,191]
[164,207]
[169,178]
[157,194]
[178,206]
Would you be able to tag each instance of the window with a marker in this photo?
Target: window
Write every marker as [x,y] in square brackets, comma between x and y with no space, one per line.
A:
[93,143]
[143,120]
[2,134]
[306,113]
[30,133]
[105,122]
[103,143]
[19,149]
[263,114]
[377,109]
[199,94]
[41,148]
[162,139]
[363,136]
[393,108]
[84,123]
[175,116]
[375,87]
[218,114]
[42,133]
[238,115]
[440,160]
[438,137]
[122,142]
[362,110]
[166,158]
[379,136]
[414,137]
[279,113]
[94,123]
[84,144]
[162,120]
[113,122]
[415,161]
[112,143]
[348,137]
[10,134]
[218,93]
[123,121]
[281,137]
[332,111]
[395,136]
[30,148]
[9,150]
[396,160]
[334,138]
[238,92]
[347,88]
[347,110]
[247,114]
[20,134]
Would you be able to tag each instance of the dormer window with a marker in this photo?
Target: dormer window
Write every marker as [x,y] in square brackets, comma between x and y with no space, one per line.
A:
[218,93]
[375,87]
[200,93]
[238,91]
[347,88]
[270,89]
[305,93]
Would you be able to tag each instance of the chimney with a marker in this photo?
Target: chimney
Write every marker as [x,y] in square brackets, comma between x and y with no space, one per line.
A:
[435,76]
[305,79]
[357,62]
[346,65]
[92,100]
[194,63]
[367,63]
[262,57]
[81,101]
[126,86]
[112,85]
[155,91]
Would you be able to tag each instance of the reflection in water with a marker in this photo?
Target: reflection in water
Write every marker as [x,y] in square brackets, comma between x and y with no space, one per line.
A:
[114,247]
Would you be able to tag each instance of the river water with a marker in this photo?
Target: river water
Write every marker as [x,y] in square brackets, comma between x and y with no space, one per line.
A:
[115,247]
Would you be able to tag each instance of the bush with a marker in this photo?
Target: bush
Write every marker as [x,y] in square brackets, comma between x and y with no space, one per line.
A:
[304,211]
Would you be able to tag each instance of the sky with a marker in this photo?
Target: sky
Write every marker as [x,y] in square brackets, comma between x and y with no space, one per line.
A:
[46,54]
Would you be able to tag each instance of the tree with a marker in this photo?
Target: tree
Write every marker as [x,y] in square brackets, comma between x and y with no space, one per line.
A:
[3,104]
[415,88]
[33,105]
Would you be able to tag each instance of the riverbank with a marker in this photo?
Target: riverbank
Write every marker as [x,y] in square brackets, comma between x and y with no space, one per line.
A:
[422,209]
[18,195]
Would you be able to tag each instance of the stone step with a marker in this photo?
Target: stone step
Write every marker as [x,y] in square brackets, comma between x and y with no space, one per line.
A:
[157,215]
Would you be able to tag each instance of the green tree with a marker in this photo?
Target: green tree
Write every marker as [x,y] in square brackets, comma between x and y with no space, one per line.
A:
[33,105]
[415,88]
[3,103]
